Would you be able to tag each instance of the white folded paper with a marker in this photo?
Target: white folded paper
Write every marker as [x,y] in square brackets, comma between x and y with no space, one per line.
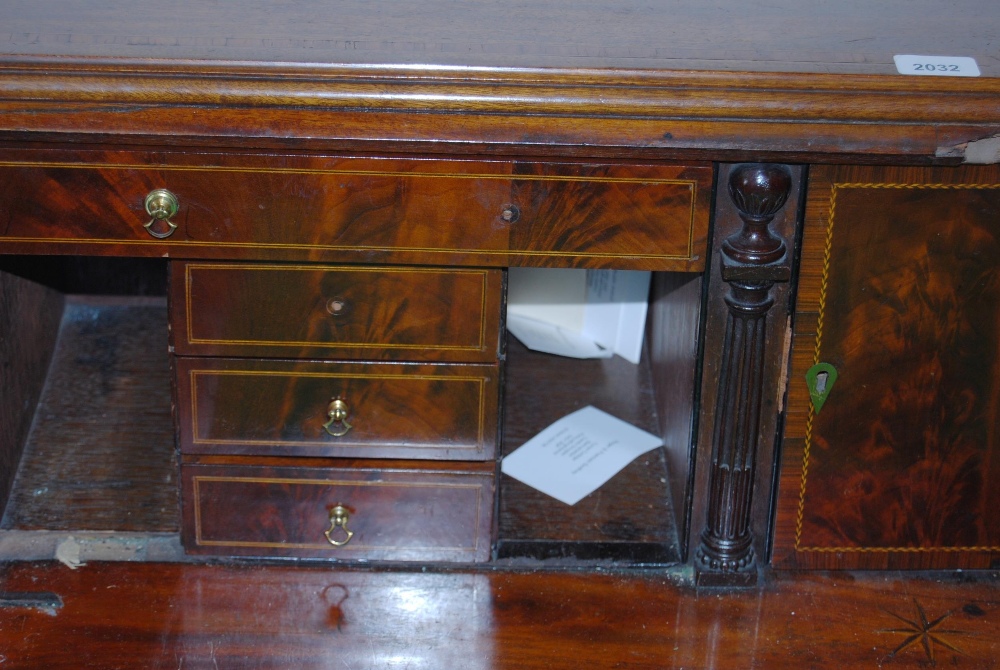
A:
[551,339]
[578,313]
[574,456]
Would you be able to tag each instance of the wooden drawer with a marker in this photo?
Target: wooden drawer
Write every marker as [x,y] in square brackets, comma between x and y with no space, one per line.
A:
[434,212]
[396,511]
[336,312]
[394,410]
[652,217]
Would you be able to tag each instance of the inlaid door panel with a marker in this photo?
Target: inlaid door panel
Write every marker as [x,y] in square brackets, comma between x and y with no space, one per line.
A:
[899,306]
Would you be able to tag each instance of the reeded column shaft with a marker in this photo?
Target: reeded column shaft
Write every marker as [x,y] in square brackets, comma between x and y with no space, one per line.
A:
[753,259]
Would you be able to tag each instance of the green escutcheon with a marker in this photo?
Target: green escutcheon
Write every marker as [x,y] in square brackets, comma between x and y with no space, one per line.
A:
[820,379]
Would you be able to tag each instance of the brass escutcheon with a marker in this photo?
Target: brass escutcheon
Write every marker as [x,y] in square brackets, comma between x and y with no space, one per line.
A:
[162,205]
[339,516]
[337,413]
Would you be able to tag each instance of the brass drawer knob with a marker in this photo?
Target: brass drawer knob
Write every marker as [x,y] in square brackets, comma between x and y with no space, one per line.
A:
[162,205]
[338,306]
[339,516]
[337,413]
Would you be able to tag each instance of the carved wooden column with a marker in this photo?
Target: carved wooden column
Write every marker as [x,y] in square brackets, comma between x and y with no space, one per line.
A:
[753,259]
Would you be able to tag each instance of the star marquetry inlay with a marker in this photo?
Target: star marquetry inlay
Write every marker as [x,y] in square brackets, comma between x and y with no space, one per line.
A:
[923,631]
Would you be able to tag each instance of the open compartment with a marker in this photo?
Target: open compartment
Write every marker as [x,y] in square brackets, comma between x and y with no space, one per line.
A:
[639,515]
[89,405]
[87,385]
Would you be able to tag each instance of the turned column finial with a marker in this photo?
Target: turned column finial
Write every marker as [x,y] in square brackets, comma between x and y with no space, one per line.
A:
[759,191]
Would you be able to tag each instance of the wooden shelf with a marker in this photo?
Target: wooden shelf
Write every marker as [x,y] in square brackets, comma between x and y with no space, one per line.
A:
[628,520]
[100,454]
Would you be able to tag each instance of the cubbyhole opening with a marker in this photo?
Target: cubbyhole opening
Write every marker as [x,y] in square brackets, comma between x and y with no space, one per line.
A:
[90,436]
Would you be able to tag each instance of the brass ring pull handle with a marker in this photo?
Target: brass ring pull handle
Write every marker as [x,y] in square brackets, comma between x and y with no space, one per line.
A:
[162,205]
[339,516]
[337,415]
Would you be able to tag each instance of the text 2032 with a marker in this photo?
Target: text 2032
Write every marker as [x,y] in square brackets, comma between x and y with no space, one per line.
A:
[930,67]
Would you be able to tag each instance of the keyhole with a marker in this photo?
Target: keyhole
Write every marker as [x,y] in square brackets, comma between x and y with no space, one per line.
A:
[821,378]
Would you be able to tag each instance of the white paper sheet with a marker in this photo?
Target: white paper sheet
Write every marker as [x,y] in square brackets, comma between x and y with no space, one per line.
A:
[590,313]
[615,317]
[555,295]
[551,339]
[574,456]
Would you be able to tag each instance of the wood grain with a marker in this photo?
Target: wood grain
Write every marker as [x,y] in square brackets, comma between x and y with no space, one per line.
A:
[29,324]
[898,468]
[397,512]
[623,79]
[672,329]
[336,312]
[101,453]
[162,616]
[636,216]
[852,37]
[727,222]
[395,410]
[297,207]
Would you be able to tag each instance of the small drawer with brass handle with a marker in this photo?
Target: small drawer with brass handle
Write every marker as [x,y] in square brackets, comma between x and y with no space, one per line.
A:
[373,510]
[315,408]
[336,312]
[382,209]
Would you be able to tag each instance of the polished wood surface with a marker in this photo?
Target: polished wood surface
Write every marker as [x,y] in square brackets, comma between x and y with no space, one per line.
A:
[301,207]
[814,37]
[652,217]
[752,260]
[587,131]
[625,78]
[394,410]
[169,616]
[899,293]
[315,311]
[712,357]
[398,511]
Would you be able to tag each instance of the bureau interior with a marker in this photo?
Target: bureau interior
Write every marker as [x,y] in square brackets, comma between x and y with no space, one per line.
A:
[99,450]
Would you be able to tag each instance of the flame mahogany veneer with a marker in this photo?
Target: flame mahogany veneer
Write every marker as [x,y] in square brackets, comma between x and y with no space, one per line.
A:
[352,184]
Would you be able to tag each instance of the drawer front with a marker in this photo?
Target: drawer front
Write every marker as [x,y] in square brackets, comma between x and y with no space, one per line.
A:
[339,312]
[635,216]
[433,212]
[391,410]
[392,514]
[284,206]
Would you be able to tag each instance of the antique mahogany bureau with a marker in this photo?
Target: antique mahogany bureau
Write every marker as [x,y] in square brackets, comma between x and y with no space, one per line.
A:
[319,202]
